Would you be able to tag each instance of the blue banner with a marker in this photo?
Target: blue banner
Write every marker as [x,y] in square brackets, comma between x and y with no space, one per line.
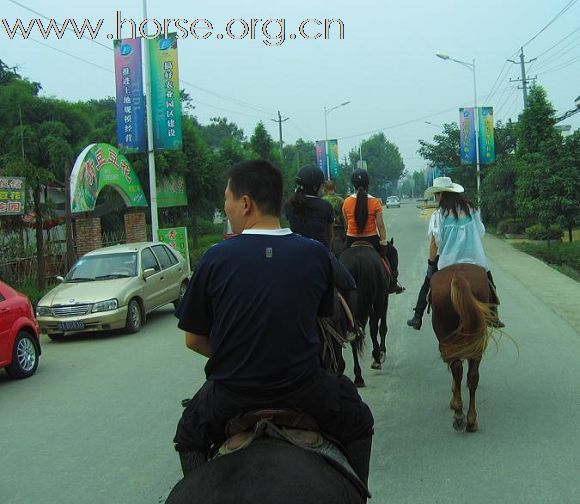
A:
[321,160]
[467,136]
[131,129]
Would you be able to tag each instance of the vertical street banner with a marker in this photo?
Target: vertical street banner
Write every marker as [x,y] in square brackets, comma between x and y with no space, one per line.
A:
[333,161]
[486,139]
[467,135]
[12,195]
[131,128]
[165,95]
[321,156]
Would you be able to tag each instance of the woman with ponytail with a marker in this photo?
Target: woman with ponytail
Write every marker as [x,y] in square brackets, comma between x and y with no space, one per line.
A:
[363,215]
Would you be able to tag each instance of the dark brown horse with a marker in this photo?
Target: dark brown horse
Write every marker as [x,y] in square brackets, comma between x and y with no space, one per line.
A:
[461,318]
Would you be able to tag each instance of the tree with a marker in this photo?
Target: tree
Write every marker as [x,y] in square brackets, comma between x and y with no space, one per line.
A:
[499,190]
[219,130]
[261,142]
[545,183]
[384,163]
[569,192]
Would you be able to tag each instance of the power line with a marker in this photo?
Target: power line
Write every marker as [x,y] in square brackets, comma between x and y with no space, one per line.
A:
[67,27]
[558,43]
[72,56]
[561,66]
[573,44]
[237,101]
[552,21]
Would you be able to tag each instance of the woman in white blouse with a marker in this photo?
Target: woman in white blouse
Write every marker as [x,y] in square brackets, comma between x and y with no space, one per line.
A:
[455,233]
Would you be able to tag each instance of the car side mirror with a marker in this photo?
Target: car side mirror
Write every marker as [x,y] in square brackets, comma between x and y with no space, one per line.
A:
[148,273]
[60,279]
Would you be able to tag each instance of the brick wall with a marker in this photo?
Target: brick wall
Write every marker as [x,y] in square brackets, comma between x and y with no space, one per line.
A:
[88,235]
[135,227]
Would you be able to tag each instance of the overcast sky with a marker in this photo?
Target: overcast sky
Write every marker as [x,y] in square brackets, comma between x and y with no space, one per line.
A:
[385,65]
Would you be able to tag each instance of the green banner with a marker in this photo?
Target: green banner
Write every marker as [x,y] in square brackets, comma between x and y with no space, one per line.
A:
[176,238]
[98,166]
[165,95]
[12,195]
[333,163]
[486,135]
[171,192]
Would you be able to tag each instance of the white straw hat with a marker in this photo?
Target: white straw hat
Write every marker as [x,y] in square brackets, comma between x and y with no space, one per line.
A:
[443,184]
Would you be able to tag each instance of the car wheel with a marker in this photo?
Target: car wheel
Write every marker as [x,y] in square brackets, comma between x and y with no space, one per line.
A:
[24,356]
[134,317]
[182,291]
[56,336]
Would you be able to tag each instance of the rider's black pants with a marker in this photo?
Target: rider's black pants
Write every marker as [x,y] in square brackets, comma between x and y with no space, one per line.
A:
[333,401]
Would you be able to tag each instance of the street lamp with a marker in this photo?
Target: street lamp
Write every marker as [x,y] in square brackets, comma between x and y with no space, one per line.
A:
[471,66]
[434,124]
[326,112]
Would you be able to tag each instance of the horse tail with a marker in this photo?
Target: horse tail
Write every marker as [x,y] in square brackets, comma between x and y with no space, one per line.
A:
[472,335]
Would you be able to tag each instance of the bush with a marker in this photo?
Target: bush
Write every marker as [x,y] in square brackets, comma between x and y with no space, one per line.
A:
[559,254]
[539,232]
[207,227]
[511,226]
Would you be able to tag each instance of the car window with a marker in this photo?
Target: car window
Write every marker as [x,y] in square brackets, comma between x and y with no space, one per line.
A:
[148,260]
[171,254]
[103,266]
[163,256]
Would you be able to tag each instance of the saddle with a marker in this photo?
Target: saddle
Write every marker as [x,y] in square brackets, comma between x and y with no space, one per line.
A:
[395,287]
[294,427]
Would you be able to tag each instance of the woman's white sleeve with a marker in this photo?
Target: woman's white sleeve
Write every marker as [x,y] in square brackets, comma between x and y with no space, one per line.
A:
[435,227]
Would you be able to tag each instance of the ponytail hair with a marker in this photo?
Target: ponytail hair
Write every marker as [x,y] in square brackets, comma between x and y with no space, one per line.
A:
[361,210]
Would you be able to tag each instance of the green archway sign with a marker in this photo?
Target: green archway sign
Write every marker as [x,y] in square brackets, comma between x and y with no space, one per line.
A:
[98,166]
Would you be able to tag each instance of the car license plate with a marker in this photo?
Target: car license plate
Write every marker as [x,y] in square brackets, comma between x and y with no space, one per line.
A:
[71,325]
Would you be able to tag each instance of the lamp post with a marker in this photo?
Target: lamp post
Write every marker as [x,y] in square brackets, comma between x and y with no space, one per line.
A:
[471,66]
[326,112]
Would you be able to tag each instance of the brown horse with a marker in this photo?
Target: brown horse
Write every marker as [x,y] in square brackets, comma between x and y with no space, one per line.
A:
[460,296]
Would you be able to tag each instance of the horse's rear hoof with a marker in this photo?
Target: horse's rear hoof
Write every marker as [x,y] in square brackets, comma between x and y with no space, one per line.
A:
[360,383]
[471,427]
[458,424]
[376,365]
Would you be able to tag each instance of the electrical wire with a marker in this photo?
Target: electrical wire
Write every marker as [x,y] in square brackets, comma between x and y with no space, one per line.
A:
[561,66]
[568,6]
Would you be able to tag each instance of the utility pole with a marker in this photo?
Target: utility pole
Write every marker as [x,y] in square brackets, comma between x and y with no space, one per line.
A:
[280,121]
[524,80]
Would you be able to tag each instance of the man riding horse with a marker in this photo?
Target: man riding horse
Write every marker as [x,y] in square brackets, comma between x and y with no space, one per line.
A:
[251,308]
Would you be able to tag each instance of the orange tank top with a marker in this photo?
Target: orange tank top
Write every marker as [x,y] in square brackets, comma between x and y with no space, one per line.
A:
[374,207]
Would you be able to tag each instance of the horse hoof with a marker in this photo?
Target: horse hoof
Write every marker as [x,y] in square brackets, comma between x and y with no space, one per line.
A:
[458,424]
[471,427]
[359,383]
[376,365]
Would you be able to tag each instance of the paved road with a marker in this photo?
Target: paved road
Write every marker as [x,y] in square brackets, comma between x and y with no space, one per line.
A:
[95,424]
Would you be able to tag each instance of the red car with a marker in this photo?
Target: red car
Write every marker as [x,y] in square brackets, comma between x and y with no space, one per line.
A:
[19,334]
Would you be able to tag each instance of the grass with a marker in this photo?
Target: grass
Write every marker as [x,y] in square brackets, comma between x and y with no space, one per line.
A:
[563,256]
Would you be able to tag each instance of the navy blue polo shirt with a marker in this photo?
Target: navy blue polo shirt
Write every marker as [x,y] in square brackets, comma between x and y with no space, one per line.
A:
[257,296]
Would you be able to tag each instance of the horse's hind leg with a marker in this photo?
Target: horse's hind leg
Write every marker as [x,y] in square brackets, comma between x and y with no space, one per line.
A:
[456,403]
[383,329]
[358,379]
[374,329]
[472,383]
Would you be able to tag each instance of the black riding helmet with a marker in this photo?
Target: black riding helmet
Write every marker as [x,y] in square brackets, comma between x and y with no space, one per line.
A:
[309,179]
[360,178]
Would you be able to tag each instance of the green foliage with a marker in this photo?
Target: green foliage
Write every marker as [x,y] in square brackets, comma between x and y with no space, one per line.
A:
[261,142]
[220,130]
[207,227]
[498,190]
[540,232]
[384,163]
[566,255]
[511,226]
